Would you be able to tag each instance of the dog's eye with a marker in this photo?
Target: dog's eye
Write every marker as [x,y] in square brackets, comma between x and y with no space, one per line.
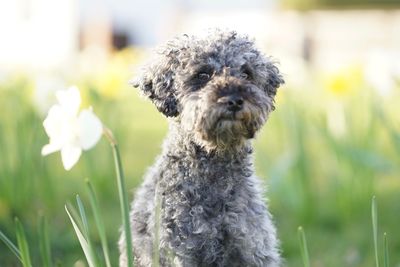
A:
[245,75]
[203,76]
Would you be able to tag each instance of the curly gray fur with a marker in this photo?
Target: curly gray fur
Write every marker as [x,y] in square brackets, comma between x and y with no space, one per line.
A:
[217,92]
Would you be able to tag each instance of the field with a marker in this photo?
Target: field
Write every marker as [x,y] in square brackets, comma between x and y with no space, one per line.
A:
[327,149]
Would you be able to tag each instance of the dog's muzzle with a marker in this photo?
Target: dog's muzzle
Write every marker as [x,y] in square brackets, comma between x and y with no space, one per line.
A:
[232,102]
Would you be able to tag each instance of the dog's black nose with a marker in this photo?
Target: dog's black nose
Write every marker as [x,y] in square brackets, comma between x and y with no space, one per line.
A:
[234,102]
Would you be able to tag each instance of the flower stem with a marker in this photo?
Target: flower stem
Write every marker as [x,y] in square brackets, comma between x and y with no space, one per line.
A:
[122,195]
[110,137]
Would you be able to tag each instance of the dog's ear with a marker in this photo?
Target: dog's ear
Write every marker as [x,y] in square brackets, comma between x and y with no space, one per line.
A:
[274,78]
[157,81]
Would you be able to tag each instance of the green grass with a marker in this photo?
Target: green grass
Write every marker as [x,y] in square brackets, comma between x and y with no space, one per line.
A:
[385,251]
[303,247]
[374,212]
[44,242]
[315,179]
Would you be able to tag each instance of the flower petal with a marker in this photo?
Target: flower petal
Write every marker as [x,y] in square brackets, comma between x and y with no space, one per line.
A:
[54,120]
[60,126]
[50,148]
[69,99]
[90,129]
[70,155]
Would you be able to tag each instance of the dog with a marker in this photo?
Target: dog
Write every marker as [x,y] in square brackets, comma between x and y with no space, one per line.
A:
[217,92]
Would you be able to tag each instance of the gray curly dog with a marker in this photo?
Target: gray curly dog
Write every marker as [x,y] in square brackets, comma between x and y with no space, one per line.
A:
[217,92]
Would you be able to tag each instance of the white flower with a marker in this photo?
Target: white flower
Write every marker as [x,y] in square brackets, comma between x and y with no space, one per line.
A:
[70,131]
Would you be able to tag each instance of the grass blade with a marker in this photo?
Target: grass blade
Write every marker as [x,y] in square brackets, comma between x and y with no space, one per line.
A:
[83,216]
[75,216]
[303,247]
[44,244]
[22,244]
[99,222]
[10,245]
[85,224]
[385,251]
[82,240]
[123,198]
[374,211]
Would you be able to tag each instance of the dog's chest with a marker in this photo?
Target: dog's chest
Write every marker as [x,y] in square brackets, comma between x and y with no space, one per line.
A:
[204,193]
[203,183]
[200,200]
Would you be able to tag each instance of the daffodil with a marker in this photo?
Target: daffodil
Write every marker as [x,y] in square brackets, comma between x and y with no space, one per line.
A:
[69,130]
[344,82]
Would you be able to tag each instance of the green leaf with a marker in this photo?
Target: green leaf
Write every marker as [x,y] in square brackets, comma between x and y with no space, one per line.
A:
[303,247]
[83,216]
[75,216]
[10,245]
[22,244]
[82,240]
[99,222]
[374,211]
[123,199]
[44,244]
[86,228]
[385,251]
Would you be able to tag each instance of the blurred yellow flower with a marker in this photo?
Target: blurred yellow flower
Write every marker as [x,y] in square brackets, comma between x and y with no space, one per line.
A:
[341,84]
[115,76]
[344,82]
[110,82]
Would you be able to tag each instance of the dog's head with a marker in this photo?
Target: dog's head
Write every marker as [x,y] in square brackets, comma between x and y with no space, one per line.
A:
[220,88]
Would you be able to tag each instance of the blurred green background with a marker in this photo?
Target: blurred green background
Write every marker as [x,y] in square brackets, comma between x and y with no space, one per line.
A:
[332,143]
